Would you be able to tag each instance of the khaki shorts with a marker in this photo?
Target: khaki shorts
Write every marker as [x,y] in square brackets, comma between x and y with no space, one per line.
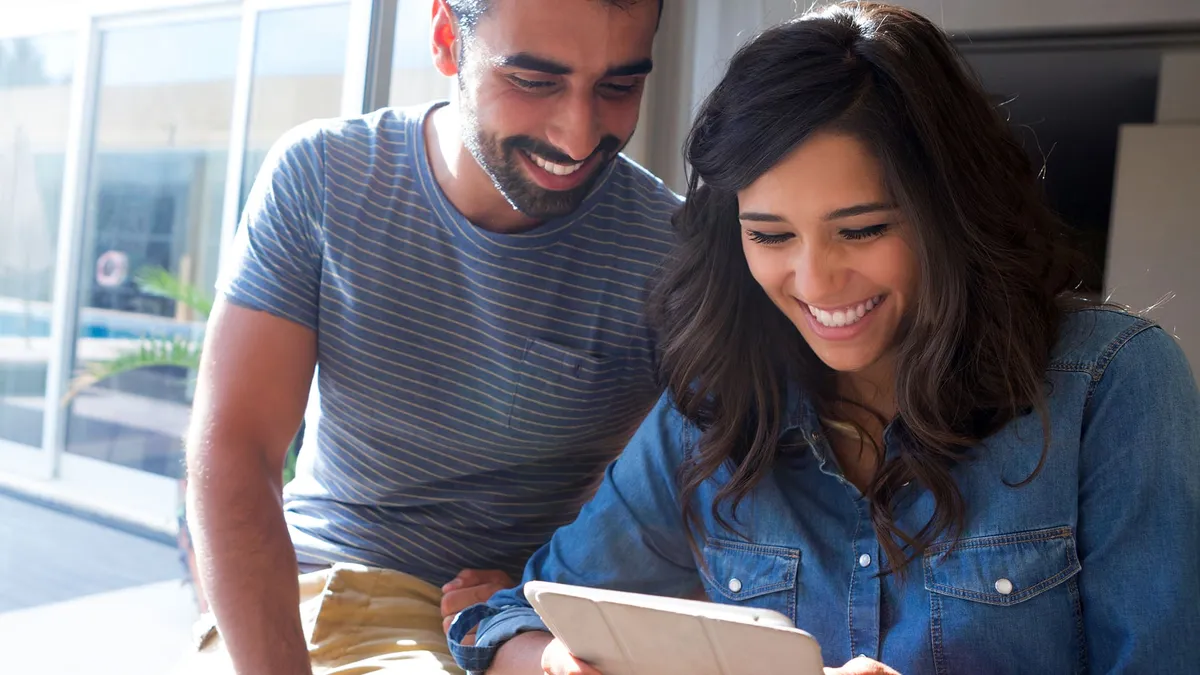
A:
[358,620]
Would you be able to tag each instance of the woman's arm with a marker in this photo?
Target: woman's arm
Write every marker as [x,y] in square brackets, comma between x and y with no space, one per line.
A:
[629,537]
[1139,512]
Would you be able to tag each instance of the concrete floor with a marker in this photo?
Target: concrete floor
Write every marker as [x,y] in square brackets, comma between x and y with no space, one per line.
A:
[144,630]
[80,598]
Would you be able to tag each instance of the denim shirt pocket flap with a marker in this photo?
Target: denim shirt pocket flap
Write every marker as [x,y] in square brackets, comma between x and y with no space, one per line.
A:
[742,570]
[1003,569]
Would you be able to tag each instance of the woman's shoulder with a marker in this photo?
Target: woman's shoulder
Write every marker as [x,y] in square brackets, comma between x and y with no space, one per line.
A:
[1090,337]
[1120,348]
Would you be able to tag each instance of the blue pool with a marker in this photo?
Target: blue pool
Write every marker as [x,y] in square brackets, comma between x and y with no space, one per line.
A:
[99,325]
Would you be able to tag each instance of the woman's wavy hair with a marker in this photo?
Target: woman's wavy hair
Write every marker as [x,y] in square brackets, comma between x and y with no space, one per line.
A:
[993,265]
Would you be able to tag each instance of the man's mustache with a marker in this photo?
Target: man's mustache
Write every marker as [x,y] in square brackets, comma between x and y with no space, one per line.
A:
[607,145]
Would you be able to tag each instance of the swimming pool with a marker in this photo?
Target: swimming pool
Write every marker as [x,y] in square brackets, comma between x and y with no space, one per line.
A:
[99,324]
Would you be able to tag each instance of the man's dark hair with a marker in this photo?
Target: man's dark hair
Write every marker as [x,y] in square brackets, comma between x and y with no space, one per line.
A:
[468,12]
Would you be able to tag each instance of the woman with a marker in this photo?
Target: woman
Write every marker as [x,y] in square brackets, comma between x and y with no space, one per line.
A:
[884,417]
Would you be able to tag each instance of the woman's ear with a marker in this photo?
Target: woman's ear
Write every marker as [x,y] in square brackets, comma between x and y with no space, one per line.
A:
[445,39]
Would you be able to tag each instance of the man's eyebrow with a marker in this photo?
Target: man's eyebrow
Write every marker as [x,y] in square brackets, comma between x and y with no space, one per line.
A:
[527,61]
[639,67]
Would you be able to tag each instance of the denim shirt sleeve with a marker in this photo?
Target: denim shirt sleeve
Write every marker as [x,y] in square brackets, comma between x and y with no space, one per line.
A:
[629,537]
[1139,511]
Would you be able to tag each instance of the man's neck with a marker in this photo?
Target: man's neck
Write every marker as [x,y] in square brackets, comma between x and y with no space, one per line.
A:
[463,181]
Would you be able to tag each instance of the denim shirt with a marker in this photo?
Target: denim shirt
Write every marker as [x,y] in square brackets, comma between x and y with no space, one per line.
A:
[1091,567]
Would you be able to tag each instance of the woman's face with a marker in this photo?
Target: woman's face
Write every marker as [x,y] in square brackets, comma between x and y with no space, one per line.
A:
[825,240]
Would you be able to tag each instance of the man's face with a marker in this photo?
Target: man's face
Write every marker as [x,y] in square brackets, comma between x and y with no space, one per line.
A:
[550,92]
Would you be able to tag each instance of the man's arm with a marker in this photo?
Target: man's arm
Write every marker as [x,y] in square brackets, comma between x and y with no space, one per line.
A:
[250,398]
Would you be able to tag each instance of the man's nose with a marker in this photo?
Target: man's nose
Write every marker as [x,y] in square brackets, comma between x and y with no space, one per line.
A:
[576,127]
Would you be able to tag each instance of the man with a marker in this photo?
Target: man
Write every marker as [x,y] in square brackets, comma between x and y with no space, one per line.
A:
[467,281]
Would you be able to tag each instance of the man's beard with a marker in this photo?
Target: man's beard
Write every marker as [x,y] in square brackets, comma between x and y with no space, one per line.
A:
[501,161]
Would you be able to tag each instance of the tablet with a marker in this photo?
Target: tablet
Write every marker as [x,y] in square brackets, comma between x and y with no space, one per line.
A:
[623,633]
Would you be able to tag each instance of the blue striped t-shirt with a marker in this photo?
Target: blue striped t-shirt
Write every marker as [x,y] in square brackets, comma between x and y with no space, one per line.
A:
[470,386]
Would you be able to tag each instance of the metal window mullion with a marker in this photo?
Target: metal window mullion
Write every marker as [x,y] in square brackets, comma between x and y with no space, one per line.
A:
[356,75]
[68,271]
[382,48]
[239,131]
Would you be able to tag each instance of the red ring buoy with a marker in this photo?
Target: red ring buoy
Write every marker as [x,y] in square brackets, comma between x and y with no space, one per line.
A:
[112,268]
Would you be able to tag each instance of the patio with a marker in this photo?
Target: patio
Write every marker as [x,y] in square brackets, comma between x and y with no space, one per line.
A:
[78,597]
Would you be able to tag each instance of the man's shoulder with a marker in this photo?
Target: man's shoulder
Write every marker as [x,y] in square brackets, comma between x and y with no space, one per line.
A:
[355,151]
[385,134]
[635,190]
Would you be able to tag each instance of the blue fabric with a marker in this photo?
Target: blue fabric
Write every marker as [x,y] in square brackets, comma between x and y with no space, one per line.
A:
[1093,566]
[471,386]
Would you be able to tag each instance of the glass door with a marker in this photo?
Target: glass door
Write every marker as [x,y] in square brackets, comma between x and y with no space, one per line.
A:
[162,119]
[291,85]
[35,93]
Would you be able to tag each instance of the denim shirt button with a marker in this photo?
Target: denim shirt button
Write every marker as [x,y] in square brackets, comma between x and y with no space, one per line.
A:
[1004,586]
[735,584]
[864,560]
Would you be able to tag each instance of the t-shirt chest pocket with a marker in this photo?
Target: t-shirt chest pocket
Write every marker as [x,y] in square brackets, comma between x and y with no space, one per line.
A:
[753,575]
[563,393]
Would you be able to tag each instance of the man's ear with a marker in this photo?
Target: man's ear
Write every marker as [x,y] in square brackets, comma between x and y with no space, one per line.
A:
[445,39]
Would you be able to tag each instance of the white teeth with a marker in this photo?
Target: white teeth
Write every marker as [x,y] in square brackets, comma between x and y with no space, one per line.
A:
[845,317]
[551,167]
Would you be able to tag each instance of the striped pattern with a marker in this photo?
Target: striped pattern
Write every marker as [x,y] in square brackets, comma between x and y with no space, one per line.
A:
[471,386]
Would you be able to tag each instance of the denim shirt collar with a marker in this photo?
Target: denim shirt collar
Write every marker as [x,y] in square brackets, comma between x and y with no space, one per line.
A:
[803,419]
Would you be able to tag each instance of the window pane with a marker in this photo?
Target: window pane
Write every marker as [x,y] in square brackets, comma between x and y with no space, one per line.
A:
[162,123]
[414,79]
[35,92]
[299,63]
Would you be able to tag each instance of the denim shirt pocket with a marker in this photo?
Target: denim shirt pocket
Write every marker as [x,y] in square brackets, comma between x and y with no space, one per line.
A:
[752,575]
[1022,585]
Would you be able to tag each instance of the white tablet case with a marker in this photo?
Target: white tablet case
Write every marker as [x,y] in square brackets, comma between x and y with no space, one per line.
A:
[633,634]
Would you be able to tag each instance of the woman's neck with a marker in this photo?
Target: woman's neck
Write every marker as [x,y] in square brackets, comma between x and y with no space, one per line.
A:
[873,388]
[867,400]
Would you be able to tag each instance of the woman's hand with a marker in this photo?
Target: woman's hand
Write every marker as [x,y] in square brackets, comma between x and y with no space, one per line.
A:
[861,666]
[556,660]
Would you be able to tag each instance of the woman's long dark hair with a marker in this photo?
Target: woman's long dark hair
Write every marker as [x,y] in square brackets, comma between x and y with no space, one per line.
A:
[992,263]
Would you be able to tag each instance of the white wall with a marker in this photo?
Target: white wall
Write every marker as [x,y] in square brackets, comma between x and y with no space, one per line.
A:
[1179,87]
[1154,239]
[1153,235]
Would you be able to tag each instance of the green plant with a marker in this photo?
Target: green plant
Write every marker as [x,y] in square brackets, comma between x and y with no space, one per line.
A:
[157,351]
[170,351]
[152,351]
